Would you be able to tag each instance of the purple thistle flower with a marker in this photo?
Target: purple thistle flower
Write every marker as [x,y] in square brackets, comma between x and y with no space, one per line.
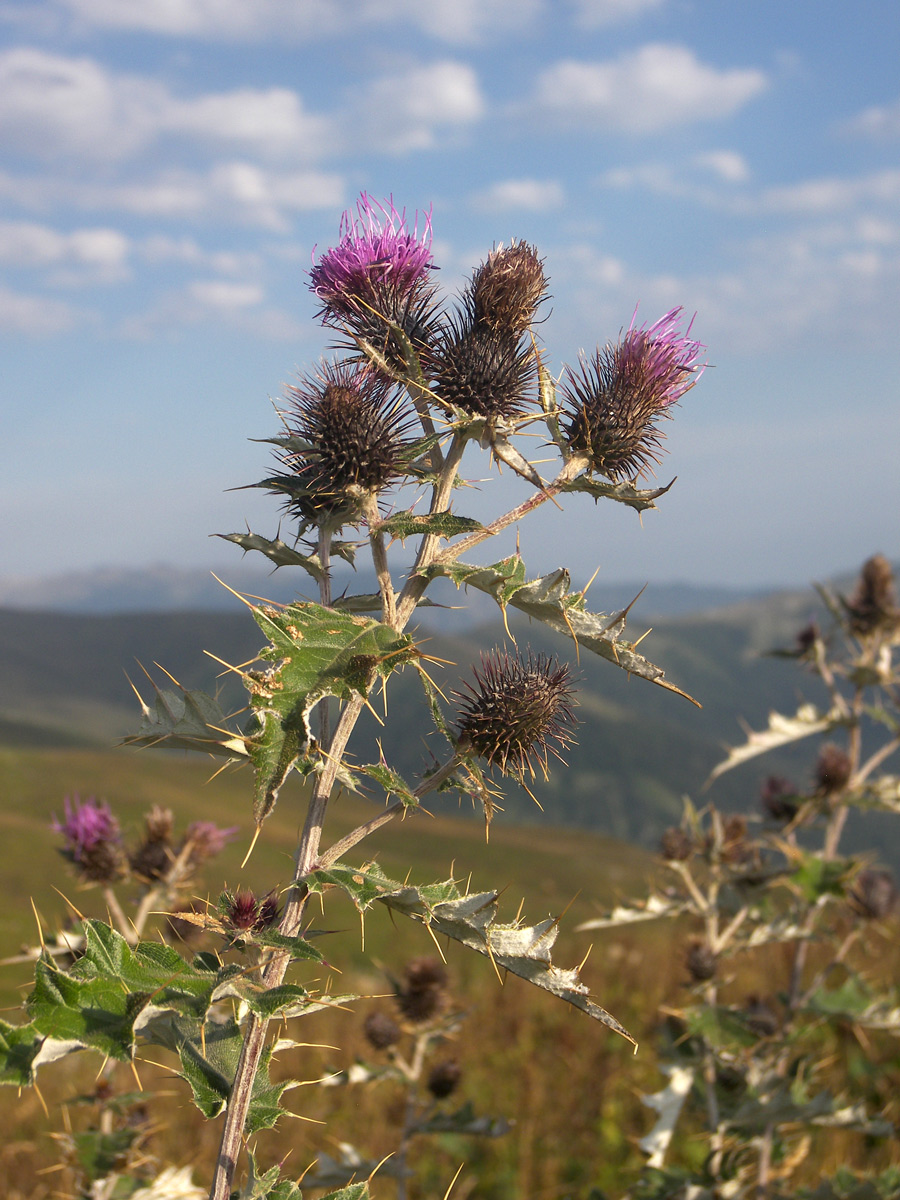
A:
[207,839]
[86,825]
[612,401]
[376,250]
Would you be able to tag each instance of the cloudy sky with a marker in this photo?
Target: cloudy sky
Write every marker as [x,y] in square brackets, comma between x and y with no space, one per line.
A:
[167,166]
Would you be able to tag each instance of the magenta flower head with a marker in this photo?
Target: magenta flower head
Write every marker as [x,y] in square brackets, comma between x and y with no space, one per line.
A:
[612,401]
[206,840]
[92,839]
[379,274]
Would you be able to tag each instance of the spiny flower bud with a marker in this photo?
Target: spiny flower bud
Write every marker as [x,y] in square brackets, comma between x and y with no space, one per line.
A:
[701,961]
[93,839]
[505,291]
[874,602]
[154,855]
[832,772]
[675,845]
[484,371]
[874,894]
[381,1030]
[351,425]
[378,274]
[243,911]
[612,401]
[518,710]
[421,995]
[760,1017]
[444,1078]
[779,799]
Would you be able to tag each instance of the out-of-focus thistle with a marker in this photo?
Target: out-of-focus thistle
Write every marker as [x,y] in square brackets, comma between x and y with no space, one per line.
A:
[873,604]
[517,713]
[423,991]
[874,894]
[93,840]
[378,275]
[832,770]
[612,401]
[154,855]
[345,437]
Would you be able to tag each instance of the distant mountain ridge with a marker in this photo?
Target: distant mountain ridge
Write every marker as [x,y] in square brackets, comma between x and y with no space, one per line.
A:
[164,588]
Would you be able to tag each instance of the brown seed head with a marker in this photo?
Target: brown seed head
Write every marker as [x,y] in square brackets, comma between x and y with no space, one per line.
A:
[381,1030]
[421,995]
[701,961]
[874,894]
[505,291]
[832,771]
[874,602]
[444,1078]
[676,845]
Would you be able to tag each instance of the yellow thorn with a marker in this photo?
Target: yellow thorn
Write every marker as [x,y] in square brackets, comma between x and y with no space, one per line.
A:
[40,1097]
[79,915]
[252,844]
[452,1181]
[137,1078]
[584,960]
[38,919]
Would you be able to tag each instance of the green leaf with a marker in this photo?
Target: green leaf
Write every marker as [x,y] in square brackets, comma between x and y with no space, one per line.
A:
[525,950]
[624,493]
[315,652]
[781,732]
[187,720]
[393,783]
[20,1046]
[281,554]
[403,525]
[551,601]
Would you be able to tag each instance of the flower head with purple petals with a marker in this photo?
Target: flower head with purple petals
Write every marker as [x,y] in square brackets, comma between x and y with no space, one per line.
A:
[610,403]
[93,839]
[207,839]
[375,247]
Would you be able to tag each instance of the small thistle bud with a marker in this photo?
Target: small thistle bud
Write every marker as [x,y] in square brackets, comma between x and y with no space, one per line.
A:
[874,602]
[806,639]
[874,894]
[701,961]
[421,996]
[675,845]
[505,291]
[92,840]
[444,1078]
[381,1030]
[243,912]
[612,401]
[352,425]
[154,855]
[486,372]
[779,800]
[832,771]
[518,711]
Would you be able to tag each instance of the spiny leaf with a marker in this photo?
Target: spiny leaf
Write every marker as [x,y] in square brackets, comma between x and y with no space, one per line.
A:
[525,950]
[653,908]
[550,600]
[187,720]
[625,493]
[781,732]
[316,652]
[393,783]
[442,524]
[668,1103]
[278,551]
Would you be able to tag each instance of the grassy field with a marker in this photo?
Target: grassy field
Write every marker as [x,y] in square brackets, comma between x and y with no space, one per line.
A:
[569,1087]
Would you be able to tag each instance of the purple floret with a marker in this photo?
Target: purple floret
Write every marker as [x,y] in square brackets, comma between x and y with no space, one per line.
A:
[665,358]
[86,825]
[207,839]
[375,247]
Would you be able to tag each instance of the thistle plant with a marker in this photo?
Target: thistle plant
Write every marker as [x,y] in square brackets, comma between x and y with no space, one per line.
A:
[420,382]
[773,897]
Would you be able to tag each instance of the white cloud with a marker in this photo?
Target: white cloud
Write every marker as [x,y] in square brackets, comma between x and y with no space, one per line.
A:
[52,106]
[223,294]
[38,316]
[591,14]
[880,121]
[728,165]
[405,111]
[301,21]
[161,248]
[81,258]
[532,195]
[834,194]
[646,91]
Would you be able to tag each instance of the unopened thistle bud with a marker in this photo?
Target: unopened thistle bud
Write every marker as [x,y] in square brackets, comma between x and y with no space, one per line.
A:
[874,602]
[92,840]
[505,291]
[612,401]
[154,855]
[486,372]
[874,894]
[352,425]
[675,845]
[421,995]
[832,771]
[381,1030]
[701,961]
[443,1078]
[517,712]
[378,275]
[244,912]
[779,800]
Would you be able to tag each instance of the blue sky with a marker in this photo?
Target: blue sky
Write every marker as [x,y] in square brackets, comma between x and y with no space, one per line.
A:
[167,166]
